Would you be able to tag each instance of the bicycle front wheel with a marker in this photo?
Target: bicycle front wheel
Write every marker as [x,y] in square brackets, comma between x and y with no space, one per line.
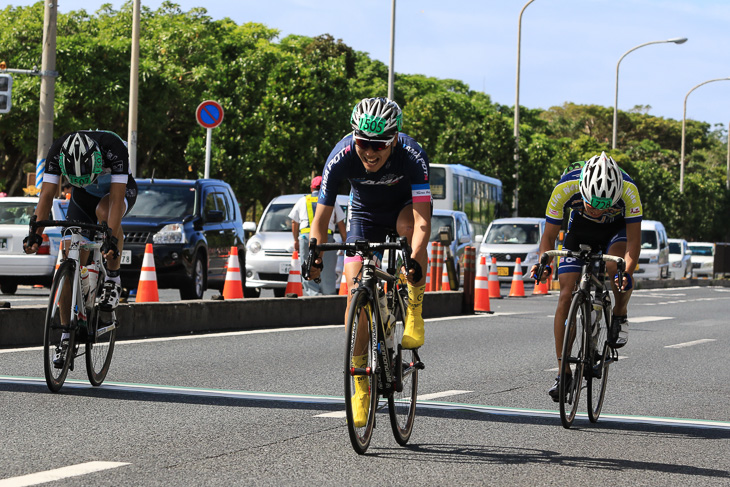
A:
[100,345]
[402,402]
[598,375]
[57,356]
[573,359]
[361,391]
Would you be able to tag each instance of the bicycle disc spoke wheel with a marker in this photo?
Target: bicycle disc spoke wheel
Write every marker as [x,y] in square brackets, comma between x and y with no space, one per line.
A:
[402,404]
[572,360]
[361,393]
[100,348]
[53,329]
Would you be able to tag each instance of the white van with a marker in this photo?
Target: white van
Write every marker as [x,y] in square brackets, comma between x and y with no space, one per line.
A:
[506,239]
[654,256]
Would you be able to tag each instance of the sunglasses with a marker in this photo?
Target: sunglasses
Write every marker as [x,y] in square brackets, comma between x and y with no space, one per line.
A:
[375,145]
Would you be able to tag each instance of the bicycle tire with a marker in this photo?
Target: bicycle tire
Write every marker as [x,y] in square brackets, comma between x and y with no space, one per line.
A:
[100,346]
[597,385]
[361,312]
[53,330]
[574,346]
[402,404]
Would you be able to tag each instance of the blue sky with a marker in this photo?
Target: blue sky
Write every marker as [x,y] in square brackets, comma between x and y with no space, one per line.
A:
[569,47]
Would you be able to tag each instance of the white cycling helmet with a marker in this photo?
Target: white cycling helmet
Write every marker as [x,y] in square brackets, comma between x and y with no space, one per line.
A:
[80,159]
[376,118]
[601,182]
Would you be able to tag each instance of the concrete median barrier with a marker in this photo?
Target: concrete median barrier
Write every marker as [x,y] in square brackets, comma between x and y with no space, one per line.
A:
[20,327]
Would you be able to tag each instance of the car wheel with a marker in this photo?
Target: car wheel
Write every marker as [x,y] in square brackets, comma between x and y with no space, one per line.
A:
[279,292]
[194,286]
[8,287]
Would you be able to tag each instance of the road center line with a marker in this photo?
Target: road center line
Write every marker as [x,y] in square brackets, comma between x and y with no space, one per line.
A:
[59,473]
[424,397]
[692,343]
[648,319]
[310,399]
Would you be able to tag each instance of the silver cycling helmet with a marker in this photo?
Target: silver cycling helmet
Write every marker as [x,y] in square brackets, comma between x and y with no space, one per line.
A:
[80,159]
[376,118]
[601,182]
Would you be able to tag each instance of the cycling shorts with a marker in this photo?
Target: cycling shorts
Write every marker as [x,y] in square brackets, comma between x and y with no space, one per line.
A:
[82,206]
[597,235]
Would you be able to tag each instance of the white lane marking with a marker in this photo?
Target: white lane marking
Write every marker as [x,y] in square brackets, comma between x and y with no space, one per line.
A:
[424,397]
[647,319]
[680,301]
[59,473]
[692,343]
[313,399]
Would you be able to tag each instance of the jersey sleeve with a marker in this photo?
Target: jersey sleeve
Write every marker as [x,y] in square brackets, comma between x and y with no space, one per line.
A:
[115,156]
[566,188]
[633,209]
[419,171]
[335,171]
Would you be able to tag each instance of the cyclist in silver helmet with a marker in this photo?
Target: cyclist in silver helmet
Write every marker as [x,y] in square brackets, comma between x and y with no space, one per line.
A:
[606,213]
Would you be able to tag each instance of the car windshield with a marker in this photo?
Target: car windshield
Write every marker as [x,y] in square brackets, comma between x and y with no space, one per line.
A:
[675,248]
[277,218]
[513,233]
[165,202]
[16,212]
[648,239]
[438,221]
[704,250]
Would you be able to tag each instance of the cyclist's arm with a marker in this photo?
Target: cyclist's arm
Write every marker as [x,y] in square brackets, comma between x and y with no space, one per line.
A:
[546,243]
[633,246]
[319,231]
[421,232]
[114,221]
[43,209]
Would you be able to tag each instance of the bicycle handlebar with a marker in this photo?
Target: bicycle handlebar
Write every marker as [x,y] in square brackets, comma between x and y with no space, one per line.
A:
[101,228]
[584,254]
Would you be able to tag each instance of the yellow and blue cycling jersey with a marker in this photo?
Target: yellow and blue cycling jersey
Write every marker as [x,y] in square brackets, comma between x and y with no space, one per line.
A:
[566,196]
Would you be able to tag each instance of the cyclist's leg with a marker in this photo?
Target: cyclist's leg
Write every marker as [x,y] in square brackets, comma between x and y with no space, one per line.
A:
[414,334]
[619,327]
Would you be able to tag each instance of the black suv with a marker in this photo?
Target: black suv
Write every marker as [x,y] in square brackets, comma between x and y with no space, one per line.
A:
[192,225]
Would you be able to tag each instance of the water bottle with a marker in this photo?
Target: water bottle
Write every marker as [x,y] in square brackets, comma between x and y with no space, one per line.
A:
[85,281]
[596,323]
[388,320]
[90,291]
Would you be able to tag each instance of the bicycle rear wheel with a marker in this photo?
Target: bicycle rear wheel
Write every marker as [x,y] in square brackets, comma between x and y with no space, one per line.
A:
[100,345]
[402,403]
[598,379]
[573,359]
[53,329]
[361,319]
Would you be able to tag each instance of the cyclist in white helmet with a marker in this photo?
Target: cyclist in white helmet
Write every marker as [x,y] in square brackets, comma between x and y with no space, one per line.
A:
[606,214]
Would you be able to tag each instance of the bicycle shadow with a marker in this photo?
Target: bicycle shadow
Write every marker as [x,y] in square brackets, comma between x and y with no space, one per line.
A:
[515,456]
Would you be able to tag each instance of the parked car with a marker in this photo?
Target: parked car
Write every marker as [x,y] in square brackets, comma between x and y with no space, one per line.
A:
[458,225]
[192,225]
[654,255]
[680,259]
[510,238]
[17,267]
[703,258]
[271,247]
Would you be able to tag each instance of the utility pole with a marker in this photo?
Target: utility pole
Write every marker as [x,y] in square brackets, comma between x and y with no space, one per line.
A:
[133,91]
[48,89]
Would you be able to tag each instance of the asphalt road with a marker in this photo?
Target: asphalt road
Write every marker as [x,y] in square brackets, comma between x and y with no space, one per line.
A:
[266,408]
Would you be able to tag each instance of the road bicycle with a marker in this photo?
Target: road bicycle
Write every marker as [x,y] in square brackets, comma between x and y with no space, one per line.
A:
[586,353]
[375,326]
[69,302]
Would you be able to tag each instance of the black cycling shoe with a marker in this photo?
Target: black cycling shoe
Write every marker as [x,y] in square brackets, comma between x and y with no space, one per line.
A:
[554,391]
[110,294]
[59,358]
[618,332]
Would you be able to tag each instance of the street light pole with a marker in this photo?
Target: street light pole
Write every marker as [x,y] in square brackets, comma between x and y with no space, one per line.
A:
[133,90]
[516,194]
[684,123]
[391,69]
[678,40]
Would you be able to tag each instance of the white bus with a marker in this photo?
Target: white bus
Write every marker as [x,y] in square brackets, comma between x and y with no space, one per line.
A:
[457,187]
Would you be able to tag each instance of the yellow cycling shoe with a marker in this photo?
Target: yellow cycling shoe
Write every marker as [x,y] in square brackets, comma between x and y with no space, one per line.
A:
[361,398]
[413,335]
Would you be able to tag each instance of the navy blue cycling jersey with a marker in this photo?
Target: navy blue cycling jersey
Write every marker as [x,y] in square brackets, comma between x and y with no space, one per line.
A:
[404,178]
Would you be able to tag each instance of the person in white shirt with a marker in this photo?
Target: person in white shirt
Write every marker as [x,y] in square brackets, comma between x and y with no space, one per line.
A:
[302,214]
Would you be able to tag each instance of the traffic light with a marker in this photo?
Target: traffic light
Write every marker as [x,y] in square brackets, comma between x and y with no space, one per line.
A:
[6,86]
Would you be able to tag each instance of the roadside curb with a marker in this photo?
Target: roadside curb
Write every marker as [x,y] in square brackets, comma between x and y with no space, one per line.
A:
[20,327]
[669,283]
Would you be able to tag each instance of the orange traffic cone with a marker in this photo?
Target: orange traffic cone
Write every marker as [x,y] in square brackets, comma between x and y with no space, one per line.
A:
[428,270]
[518,287]
[481,288]
[495,290]
[445,285]
[294,283]
[60,256]
[343,285]
[233,288]
[147,287]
